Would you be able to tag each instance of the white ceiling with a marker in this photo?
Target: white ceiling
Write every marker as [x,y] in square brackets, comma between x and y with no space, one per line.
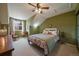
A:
[23,11]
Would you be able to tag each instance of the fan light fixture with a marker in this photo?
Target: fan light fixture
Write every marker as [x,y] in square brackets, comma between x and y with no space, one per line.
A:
[38,7]
[38,10]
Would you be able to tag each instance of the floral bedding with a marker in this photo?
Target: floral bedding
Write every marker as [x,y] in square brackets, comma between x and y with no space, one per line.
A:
[45,41]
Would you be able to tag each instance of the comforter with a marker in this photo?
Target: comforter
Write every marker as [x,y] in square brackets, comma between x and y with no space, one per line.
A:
[45,41]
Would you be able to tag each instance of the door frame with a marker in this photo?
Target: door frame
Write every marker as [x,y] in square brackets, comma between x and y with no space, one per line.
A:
[77,30]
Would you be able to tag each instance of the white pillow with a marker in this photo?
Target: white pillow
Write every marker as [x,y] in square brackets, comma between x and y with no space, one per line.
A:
[53,32]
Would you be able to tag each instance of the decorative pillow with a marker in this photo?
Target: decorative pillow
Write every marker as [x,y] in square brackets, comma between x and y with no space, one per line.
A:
[50,33]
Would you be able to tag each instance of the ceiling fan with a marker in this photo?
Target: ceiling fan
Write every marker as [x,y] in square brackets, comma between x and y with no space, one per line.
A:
[38,7]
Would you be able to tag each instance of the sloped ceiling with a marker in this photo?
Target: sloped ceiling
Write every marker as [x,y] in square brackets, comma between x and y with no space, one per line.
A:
[23,11]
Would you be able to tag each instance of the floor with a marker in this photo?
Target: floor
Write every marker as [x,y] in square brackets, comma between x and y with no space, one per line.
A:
[22,48]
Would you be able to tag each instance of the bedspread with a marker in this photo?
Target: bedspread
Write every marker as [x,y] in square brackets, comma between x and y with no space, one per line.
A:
[45,41]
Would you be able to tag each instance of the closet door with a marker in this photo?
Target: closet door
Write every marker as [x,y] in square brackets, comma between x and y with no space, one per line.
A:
[78,30]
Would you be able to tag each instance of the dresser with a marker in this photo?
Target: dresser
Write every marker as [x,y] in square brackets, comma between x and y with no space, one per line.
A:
[6,46]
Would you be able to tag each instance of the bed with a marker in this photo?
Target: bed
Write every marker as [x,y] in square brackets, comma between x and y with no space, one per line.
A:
[45,40]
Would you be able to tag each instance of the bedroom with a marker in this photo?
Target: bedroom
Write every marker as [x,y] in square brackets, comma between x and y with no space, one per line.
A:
[59,18]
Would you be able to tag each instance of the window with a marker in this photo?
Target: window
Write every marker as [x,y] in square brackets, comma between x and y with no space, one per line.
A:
[17,25]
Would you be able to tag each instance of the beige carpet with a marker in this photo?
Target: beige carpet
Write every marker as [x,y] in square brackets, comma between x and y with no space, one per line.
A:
[22,48]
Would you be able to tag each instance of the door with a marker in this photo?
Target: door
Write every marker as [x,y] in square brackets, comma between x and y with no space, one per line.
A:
[78,30]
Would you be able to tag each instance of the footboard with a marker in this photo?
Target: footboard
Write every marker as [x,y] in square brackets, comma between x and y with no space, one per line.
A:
[40,43]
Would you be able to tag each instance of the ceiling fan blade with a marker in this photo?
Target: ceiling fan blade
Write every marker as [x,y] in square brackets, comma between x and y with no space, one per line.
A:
[38,5]
[31,4]
[44,7]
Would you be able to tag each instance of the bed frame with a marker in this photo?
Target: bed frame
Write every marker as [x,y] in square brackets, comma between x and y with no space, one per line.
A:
[46,51]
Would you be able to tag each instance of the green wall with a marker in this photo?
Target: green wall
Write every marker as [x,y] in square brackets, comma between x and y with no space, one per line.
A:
[65,23]
[29,25]
[34,30]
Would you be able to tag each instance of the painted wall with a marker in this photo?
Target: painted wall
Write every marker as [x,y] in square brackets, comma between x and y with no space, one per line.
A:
[29,26]
[65,23]
[3,13]
[77,8]
[77,27]
[34,30]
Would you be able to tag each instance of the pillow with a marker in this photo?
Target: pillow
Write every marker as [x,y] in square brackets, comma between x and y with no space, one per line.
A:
[50,33]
